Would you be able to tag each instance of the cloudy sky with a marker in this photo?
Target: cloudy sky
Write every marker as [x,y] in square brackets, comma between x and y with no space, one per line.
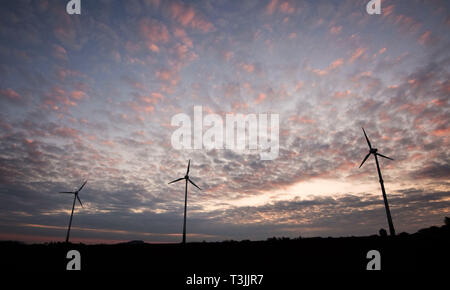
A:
[92,96]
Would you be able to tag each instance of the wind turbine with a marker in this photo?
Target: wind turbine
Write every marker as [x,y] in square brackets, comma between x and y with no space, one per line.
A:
[75,193]
[186,177]
[375,153]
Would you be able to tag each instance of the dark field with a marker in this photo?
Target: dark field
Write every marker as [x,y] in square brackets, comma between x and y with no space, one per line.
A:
[427,250]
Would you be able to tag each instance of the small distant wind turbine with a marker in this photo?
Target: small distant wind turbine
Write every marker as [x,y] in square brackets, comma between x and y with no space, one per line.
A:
[186,177]
[75,193]
[386,204]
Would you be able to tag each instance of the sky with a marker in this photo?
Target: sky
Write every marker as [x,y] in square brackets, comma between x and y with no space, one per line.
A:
[92,97]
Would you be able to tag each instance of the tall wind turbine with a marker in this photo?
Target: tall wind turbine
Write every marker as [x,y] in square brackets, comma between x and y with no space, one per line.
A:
[75,197]
[386,204]
[186,177]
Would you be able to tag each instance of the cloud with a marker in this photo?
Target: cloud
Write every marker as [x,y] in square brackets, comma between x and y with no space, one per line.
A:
[10,95]
[271,7]
[357,54]
[332,67]
[188,17]
[153,31]
[59,52]
[336,30]
[287,7]
[427,38]
[433,170]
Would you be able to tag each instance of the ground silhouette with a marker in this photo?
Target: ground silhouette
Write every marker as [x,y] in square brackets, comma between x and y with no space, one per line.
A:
[426,250]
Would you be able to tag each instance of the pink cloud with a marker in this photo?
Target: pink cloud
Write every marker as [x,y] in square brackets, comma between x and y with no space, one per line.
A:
[441,132]
[153,47]
[439,102]
[248,67]
[239,106]
[10,94]
[261,97]
[64,73]
[424,38]
[271,7]
[228,55]
[153,32]
[66,34]
[188,17]
[59,100]
[287,8]
[333,66]
[342,94]
[299,86]
[181,34]
[335,30]
[166,75]
[357,54]
[388,10]
[66,132]
[153,98]
[427,38]
[59,52]
[78,95]
[302,119]
[183,53]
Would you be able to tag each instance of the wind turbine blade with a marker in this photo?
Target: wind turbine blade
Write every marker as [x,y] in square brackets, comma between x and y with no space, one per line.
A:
[189,164]
[79,200]
[66,192]
[384,156]
[82,186]
[194,183]
[365,158]
[176,180]
[367,138]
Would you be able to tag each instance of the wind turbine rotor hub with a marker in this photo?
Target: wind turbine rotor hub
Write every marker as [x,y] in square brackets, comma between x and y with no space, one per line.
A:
[373,150]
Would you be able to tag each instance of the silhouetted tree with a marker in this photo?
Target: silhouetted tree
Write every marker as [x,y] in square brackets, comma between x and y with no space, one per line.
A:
[383,233]
[447,221]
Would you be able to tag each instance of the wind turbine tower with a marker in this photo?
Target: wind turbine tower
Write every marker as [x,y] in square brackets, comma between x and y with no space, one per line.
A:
[375,153]
[187,179]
